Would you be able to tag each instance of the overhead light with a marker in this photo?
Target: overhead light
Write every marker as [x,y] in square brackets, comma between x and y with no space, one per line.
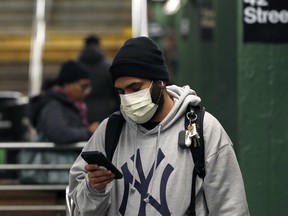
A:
[171,7]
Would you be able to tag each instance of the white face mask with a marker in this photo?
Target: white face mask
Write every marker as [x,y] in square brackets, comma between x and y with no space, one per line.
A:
[138,106]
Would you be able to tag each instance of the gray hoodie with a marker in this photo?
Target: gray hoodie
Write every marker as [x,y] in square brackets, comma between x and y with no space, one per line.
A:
[158,173]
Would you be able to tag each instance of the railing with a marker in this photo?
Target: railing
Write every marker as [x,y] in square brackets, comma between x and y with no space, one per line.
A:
[7,187]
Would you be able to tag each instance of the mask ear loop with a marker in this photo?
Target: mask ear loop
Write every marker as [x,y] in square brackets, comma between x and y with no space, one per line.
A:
[160,93]
[151,84]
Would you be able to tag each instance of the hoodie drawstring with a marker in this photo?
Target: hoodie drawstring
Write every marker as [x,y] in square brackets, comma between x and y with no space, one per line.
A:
[150,188]
[134,160]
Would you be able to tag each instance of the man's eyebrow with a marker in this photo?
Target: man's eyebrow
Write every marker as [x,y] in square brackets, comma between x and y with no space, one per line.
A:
[134,84]
[130,85]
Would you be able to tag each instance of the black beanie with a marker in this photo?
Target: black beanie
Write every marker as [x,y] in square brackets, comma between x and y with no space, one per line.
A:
[139,57]
[72,71]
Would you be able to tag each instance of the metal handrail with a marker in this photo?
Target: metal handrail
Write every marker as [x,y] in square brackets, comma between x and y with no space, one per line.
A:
[33,187]
[10,146]
[33,208]
[38,146]
[41,145]
[35,166]
[37,44]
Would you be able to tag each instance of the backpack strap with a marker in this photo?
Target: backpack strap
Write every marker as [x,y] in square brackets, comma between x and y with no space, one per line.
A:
[112,134]
[198,155]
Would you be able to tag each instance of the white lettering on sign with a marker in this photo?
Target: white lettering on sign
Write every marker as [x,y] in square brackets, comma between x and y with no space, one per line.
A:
[256,14]
[259,3]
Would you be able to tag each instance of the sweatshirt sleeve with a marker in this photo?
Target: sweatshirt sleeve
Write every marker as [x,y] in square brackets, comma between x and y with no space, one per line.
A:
[87,200]
[223,184]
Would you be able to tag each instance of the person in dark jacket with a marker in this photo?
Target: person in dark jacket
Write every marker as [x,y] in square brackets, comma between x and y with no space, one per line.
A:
[60,114]
[103,99]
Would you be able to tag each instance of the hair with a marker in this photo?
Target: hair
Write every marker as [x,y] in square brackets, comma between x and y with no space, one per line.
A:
[92,40]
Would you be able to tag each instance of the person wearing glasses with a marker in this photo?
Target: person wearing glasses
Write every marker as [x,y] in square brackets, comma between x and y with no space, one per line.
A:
[60,115]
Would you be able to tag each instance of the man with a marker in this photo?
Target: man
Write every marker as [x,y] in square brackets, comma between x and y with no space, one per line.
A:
[157,171]
[103,99]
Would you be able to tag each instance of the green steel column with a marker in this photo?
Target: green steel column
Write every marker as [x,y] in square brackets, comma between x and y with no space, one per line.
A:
[262,120]
[263,136]
[208,65]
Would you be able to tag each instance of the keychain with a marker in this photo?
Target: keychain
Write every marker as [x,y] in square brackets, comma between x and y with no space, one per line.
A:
[190,135]
[193,134]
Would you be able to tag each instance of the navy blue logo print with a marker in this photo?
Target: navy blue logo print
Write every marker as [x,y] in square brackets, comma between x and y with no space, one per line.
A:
[142,186]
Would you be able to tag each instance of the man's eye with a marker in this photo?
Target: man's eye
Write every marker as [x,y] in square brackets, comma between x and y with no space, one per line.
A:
[135,89]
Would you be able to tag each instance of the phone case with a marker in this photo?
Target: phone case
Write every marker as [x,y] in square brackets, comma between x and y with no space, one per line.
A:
[96,157]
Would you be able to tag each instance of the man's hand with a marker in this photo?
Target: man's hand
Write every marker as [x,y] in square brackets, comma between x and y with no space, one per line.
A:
[98,178]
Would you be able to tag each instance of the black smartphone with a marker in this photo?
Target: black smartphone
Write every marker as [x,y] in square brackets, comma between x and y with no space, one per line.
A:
[96,157]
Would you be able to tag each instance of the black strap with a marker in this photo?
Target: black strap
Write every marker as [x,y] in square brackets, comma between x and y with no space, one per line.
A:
[198,155]
[112,134]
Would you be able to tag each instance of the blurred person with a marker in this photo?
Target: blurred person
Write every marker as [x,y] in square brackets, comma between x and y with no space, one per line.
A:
[59,115]
[103,98]
[157,170]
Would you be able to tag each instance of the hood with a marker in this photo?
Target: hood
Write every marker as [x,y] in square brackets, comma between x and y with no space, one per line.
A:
[35,106]
[182,96]
[91,55]
[37,103]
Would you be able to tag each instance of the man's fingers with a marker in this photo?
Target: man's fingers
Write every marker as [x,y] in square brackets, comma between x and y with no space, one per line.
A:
[99,173]
[91,167]
[98,179]
[100,185]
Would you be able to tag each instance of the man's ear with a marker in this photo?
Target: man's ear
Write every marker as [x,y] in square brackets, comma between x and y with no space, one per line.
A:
[160,83]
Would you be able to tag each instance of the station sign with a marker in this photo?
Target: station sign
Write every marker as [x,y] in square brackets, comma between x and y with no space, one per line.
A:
[265,21]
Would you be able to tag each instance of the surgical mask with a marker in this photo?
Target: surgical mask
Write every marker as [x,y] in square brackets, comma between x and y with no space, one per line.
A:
[139,106]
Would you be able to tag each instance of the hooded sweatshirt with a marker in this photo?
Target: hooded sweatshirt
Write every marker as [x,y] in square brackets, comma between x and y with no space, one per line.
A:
[158,172]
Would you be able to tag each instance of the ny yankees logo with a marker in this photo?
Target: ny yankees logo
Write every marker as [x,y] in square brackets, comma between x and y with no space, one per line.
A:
[142,185]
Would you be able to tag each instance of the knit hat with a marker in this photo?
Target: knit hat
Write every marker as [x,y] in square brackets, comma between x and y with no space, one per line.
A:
[139,57]
[72,71]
